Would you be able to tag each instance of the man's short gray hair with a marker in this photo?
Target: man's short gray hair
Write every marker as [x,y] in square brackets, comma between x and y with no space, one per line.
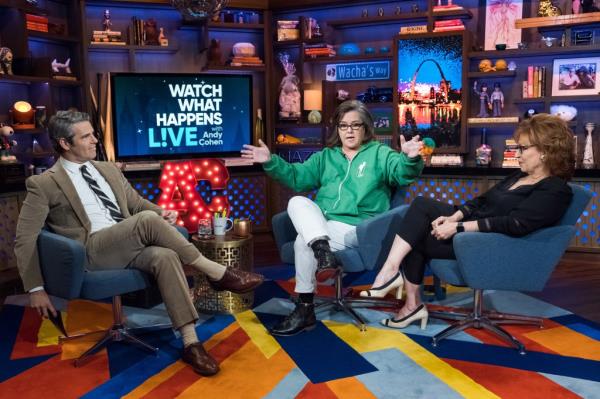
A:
[60,125]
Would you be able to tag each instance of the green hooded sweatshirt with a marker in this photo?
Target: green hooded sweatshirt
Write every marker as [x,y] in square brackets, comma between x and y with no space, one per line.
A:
[349,191]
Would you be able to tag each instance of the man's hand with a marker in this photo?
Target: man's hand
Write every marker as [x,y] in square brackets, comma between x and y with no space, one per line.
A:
[444,231]
[40,301]
[170,216]
[411,148]
[260,154]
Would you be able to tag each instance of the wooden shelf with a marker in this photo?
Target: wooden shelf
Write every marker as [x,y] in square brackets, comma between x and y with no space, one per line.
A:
[513,53]
[559,21]
[592,97]
[537,100]
[501,74]
[302,145]
[299,42]
[369,21]
[302,125]
[260,68]
[453,13]
[235,27]
[49,37]
[491,125]
[135,48]
[24,79]
[348,58]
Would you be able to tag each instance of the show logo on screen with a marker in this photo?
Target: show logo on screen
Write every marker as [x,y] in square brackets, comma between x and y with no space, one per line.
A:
[177,116]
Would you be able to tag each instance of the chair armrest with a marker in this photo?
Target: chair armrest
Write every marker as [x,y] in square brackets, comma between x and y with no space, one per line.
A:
[375,237]
[498,261]
[283,230]
[62,262]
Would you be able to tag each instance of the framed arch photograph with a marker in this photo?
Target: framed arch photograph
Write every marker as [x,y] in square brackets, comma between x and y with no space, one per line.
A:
[431,87]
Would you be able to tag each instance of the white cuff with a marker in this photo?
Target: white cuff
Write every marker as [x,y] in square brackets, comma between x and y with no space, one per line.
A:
[35,289]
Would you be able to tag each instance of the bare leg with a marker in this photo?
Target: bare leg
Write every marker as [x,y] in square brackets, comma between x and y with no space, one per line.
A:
[398,251]
[412,301]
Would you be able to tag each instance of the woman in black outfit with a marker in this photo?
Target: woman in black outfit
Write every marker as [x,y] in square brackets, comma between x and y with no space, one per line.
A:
[534,197]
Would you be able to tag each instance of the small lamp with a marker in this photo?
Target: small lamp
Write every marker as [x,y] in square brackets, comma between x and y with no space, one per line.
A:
[313,103]
[22,114]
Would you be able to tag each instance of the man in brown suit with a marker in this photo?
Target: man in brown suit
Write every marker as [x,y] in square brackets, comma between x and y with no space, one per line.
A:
[93,203]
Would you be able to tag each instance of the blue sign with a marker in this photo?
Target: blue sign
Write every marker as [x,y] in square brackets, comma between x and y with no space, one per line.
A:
[372,70]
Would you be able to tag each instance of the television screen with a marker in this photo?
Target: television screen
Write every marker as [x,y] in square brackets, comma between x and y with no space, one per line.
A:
[166,116]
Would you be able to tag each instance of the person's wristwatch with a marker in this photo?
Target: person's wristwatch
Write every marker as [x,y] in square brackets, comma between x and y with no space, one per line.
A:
[460,228]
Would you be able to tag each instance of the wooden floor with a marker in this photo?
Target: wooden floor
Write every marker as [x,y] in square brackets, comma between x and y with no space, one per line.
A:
[574,285]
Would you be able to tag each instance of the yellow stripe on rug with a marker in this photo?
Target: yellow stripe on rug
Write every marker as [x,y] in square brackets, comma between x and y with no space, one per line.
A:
[232,381]
[350,388]
[375,339]
[258,333]
[48,333]
[567,342]
[172,369]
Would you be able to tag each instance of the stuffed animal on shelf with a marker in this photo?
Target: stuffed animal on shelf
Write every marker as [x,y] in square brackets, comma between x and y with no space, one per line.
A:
[288,139]
[6,143]
[486,66]
[565,112]
[6,60]
[289,95]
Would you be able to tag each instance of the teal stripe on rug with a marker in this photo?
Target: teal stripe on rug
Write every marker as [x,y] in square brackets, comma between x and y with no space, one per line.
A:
[290,386]
[400,377]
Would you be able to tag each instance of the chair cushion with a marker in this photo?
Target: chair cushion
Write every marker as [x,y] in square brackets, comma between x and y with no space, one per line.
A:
[350,259]
[447,270]
[287,252]
[107,283]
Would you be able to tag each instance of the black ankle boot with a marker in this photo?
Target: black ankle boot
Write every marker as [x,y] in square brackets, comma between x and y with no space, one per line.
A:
[301,319]
[327,266]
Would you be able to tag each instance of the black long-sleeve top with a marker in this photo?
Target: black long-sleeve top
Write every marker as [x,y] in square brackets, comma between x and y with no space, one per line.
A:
[520,211]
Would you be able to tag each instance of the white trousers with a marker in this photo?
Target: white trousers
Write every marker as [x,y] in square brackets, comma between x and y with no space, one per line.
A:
[310,225]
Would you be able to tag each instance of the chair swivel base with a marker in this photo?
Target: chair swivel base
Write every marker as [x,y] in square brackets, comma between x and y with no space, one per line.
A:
[343,301]
[489,320]
[118,332]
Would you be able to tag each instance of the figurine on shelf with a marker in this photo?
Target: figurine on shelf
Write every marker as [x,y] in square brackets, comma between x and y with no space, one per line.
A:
[289,95]
[380,12]
[6,60]
[162,39]
[364,13]
[414,8]
[398,10]
[106,23]
[497,100]
[547,9]
[6,143]
[63,68]
[483,154]
[214,53]
[484,99]
[588,152]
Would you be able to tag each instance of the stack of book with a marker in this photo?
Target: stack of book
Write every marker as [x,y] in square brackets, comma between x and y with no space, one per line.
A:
[319,50]
[447,7]
[510,159]
[448,25]
[246,61]
[37,23]
[288,30]
[107,37]
[535,85]
[136,32]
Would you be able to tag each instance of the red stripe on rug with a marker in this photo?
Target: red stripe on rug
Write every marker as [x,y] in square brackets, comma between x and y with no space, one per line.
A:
[57,378]
[509,383]
[316,391]
[185,377]
[27,338]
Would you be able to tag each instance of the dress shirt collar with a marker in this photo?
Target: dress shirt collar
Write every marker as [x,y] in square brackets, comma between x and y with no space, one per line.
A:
[74,167]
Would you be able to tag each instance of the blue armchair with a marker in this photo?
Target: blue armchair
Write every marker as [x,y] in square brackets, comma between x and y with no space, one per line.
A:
[374,240]
[62,261]
[499,262]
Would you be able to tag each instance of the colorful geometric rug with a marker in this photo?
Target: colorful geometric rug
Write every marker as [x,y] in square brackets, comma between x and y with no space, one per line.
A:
[335,360]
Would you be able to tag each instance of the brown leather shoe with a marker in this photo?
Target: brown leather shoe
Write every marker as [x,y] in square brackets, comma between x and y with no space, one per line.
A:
[201,362]
[237,281]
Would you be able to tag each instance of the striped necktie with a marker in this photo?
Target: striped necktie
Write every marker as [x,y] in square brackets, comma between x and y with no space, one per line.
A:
[113,209]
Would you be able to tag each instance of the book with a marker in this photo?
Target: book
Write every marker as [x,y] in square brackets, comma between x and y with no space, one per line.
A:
[530,81]
[535,83]
[413,29]
[449,22]
[497,119]
[448,28]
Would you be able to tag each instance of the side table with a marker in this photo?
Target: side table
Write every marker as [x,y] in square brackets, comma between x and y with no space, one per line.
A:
[230,251]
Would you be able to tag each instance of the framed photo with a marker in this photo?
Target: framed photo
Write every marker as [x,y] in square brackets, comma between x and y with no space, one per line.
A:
[431,88]
[575,76]
[500,17]
[383,121]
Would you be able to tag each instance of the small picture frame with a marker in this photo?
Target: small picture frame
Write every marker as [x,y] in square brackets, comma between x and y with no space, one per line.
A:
[575,76]
[383,121]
